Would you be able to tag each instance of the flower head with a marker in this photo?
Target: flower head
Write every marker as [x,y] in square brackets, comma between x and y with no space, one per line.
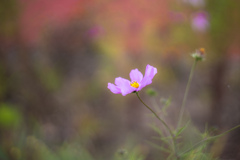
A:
[125,87]
[199,55]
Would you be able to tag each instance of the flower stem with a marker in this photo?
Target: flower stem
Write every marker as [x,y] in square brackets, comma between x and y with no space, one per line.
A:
[165,124]
[209,139]
[186,93]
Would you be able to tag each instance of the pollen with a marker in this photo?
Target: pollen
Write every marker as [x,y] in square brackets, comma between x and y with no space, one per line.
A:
[134,84]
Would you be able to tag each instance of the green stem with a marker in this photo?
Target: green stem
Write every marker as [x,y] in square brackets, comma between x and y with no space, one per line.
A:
[164,123]
[186,93]
[208,139]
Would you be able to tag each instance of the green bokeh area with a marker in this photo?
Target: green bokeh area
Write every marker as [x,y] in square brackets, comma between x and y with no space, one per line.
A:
[10,117]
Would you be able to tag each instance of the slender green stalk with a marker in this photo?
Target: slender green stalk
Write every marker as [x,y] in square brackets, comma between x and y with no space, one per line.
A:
[186,93]
[208,139]
[165,124]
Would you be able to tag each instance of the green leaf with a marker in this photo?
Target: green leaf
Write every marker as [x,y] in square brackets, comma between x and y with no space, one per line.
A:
[166,103]
[151,92]
[159,147]
[161,136]
[156,129]
[182,129]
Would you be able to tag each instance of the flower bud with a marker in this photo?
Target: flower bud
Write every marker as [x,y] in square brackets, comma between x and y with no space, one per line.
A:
[199,55]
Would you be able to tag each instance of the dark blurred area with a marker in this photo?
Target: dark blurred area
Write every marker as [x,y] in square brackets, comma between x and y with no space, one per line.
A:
[56,58]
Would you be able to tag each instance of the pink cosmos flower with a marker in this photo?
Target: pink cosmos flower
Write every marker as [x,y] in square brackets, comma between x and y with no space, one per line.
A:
[125,87]
[200,21]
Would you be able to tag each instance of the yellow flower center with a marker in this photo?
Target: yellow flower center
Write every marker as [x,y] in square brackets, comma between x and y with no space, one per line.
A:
[202,51]
[134,84]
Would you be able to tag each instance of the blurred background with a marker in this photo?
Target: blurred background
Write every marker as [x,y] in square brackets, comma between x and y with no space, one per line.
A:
[56,58]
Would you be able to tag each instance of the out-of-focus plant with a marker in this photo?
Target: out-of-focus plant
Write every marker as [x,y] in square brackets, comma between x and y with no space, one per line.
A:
[131,154]
[9,116]
[175,143]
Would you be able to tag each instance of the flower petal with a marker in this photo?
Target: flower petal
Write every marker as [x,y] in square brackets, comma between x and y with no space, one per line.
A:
[114,89]
[136,75]
[149,74]
[124,85]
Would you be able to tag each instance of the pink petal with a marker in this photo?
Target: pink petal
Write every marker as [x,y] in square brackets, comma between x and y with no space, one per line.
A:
[149,74]
[124,85]
[114,89]
[136,75]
